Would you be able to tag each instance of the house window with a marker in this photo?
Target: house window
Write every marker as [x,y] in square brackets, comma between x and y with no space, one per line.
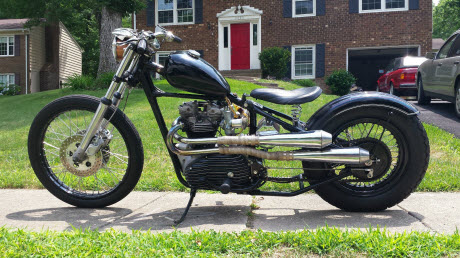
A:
[254,35]
[6,79]
[175,11]
[225,37]
[6,46]
[303,62]
[382,5]
[303,8]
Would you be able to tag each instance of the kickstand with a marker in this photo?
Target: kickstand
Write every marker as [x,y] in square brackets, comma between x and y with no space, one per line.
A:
[190,201]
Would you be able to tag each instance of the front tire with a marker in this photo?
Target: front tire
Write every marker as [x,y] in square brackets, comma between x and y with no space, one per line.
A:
[422,99]
[397,141]
[103,178]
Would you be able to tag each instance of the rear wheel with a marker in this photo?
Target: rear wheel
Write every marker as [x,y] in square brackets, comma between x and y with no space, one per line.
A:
[421,98]
[101,179]
[399,147]
[392,89]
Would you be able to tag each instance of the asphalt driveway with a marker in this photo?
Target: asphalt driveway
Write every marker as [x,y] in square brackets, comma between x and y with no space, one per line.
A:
[441,114]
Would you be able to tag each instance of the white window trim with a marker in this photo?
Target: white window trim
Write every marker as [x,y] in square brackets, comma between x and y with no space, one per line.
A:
[313,76]
[175,16]
[9,74]
[157,59]
[8,45]
[383,7]
[294,15]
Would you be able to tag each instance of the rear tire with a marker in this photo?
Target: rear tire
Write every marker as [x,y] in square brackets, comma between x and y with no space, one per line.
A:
[457,100]
[422,99]
[406,167]
[392,90]
[104,178]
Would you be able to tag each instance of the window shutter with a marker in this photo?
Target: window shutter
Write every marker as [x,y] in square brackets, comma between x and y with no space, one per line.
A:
[320,60]
[151,13]
[413,4]
[17,45]
[353,6]
[198,11]
[287,8]
[289,64]
[320,7]
[17,79]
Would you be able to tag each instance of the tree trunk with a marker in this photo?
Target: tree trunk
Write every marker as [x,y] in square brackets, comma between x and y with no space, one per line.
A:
[110,20]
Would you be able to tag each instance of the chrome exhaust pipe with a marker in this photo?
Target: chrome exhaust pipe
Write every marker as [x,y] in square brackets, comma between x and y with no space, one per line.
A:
[342,156]
[353,155]
[311,139]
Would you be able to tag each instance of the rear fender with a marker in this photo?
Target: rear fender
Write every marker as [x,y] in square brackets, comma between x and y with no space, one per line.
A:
[355,101]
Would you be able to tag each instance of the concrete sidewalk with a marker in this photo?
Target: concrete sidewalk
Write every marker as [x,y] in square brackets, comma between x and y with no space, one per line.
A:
[38,209]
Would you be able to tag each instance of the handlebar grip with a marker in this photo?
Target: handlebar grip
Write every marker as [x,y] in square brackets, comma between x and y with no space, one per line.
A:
[177,39]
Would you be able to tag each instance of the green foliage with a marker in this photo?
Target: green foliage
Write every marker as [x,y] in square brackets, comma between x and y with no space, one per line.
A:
[103,81]
[325,241]
[340,82]
[273,61]
[446,18]
[87,82]
[80,82]
[304,82]
[10,90]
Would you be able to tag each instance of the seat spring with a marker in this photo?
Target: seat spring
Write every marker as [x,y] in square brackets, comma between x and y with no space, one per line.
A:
[296,113]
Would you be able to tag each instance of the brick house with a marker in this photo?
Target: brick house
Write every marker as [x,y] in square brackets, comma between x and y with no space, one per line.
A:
[361,36]
[37,58]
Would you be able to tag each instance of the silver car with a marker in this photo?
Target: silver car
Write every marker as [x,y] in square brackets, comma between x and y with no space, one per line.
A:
[439,77]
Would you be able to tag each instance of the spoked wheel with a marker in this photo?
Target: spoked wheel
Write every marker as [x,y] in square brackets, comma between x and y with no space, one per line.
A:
[104,177]
[399,149]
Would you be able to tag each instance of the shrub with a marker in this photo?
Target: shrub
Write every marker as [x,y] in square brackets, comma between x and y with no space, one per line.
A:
[80,82]
[274,62]
[304,82]
[103,81]
[340,82]
[10,90]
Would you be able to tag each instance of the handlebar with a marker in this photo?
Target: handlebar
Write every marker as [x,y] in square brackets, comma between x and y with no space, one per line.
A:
[177,39]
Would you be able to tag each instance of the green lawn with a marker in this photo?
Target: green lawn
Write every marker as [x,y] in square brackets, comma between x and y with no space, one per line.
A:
[17,113]
[324,241]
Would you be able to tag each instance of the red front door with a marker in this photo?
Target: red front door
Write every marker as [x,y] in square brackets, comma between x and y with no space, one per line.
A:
[240,42]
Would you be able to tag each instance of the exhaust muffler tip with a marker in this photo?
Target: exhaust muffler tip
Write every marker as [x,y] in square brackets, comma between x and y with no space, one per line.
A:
[364,156]
[326,139]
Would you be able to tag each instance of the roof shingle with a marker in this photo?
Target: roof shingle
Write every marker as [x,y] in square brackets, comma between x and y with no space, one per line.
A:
[11,24]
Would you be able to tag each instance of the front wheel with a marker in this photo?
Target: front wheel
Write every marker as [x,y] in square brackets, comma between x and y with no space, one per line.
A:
[400,151]
[101,179]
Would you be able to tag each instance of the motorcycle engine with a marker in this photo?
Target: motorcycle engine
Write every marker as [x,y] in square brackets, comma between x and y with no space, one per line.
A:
[211,171]
[201,119]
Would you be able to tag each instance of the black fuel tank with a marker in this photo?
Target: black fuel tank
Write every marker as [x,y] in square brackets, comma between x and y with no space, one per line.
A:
[187,71]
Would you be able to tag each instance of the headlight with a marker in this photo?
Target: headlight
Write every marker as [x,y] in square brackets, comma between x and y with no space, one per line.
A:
[118,50]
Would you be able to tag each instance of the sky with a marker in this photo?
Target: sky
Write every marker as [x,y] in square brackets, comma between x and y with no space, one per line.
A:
[436,2]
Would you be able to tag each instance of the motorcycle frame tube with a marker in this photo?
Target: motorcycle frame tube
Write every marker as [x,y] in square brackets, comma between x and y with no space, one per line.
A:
[143,73]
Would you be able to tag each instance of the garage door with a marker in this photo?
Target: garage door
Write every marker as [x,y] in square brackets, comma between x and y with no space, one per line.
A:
[365,64]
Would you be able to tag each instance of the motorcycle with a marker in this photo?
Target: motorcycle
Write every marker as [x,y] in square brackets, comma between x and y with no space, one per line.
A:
[364,151]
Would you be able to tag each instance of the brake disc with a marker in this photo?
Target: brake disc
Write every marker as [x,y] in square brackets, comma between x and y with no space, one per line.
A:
[87,167]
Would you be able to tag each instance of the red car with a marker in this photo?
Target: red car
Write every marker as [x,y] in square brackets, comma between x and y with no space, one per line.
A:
[398,78]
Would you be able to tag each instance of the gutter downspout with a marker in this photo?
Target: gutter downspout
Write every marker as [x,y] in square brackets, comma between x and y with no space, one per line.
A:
[27,63]
[135,21]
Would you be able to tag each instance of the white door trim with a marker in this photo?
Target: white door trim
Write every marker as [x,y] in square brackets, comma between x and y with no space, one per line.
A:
[233,15]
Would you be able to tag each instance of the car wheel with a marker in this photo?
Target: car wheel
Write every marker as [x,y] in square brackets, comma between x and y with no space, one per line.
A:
[421,98]
[377,89]
[457,100]
[392,89]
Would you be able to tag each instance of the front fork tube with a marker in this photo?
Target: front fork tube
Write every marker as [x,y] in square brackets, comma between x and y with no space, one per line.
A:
[111,97]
